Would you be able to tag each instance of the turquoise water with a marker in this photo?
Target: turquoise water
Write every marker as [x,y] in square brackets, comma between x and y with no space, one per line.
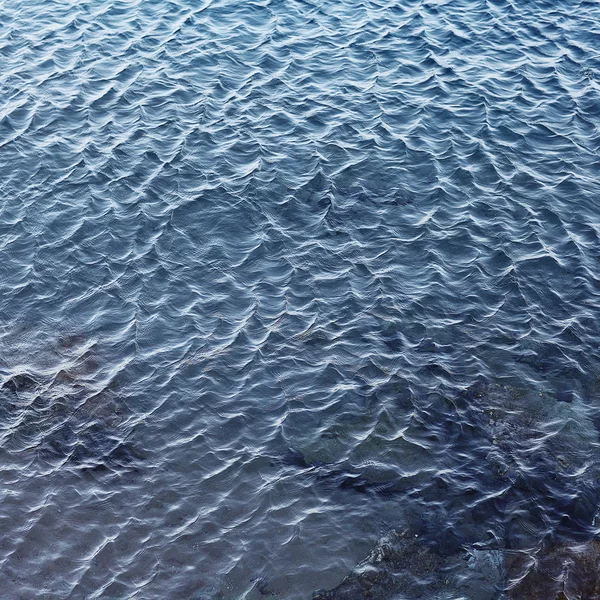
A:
[279,277]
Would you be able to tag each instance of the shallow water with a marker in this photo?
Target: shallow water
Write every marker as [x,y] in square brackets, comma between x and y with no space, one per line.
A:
[264,270]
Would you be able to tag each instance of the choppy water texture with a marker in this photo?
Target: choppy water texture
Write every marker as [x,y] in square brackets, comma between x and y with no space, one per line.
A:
[281,278]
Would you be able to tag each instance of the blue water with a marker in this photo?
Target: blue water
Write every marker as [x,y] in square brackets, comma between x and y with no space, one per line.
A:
[279,277]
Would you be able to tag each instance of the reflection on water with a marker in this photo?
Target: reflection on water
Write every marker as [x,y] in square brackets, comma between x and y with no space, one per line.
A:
[299,296]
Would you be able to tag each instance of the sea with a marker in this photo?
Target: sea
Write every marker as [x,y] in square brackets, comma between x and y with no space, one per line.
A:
[294,292]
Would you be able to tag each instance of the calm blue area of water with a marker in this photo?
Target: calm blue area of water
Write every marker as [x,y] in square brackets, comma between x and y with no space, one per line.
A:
[280,277]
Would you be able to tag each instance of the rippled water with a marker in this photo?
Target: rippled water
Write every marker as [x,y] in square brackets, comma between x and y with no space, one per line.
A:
[280,277]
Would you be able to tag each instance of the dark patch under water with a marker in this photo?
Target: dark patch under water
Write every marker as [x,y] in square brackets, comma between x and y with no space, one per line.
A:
[284,282]
[59,425]
[514,516]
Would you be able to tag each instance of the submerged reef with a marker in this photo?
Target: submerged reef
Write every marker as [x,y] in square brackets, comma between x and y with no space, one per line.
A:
[557,572]
[65,419]
[401,563]
[511,515]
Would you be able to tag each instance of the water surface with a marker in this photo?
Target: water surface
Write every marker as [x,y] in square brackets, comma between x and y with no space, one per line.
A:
[279,277]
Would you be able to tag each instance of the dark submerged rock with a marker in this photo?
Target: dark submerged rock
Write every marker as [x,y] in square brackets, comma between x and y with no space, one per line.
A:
[62,421]
[538,453]
[402,565]
[558,572]
[522,472]
[389,569]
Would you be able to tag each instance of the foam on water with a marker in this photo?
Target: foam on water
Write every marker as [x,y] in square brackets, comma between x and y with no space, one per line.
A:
[279,277]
